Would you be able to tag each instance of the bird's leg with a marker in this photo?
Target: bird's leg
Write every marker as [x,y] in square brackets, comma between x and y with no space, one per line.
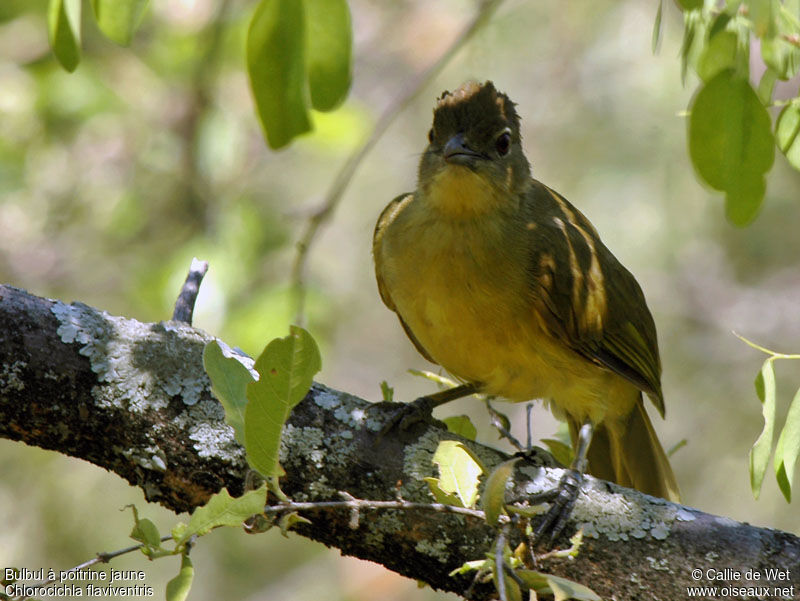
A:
[421,408]
[563,496]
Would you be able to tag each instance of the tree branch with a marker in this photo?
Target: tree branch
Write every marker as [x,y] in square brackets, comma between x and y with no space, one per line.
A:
[132,397]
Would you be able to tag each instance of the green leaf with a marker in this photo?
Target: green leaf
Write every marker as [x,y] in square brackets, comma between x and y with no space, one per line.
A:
[561,452]
[118,19]
[288,520]
[658,27]
[459,471]
[387,392]
[787,133]
[178,588]
[229,380]
[461,425]
[286,368]
[146,532]
[690,4]
[276,67]
[759,454]
[493,499]
[328,46]
[781,57]
[441,496]
[788,449]
[223,510]
[560,588]
[64,29]
[719,54]
[731,143]
[762,15]
[766,85]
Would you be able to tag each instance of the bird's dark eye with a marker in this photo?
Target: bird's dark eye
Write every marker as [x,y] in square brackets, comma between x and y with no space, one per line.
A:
[430,136]
[503,143]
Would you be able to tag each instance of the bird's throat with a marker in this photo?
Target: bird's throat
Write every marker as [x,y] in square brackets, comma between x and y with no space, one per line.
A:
[459,192]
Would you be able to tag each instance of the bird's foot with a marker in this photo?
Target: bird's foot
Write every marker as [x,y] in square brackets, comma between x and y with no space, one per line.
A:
[408,414]
[562,499]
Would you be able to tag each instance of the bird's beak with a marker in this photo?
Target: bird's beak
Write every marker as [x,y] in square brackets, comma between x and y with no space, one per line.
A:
[457,152]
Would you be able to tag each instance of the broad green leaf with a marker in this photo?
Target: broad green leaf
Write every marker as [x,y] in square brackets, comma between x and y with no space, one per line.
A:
[788,448]
[285,368]
[759,454]
[328,46]
[64,29]
[787,133]
[178,588]
[459,471]
[493,499]
[461,425]
[719,54]
[445,498]
[223,510]
[561,452]
[766,85]
[276,67]
[658,27]
[690,4]
[118,19]
[731,143]
[559,587]
[229,380]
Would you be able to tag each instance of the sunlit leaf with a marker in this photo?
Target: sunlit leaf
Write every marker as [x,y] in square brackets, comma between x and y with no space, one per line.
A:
[759,454]
[178,588]
[787,133]
[285,368]
[788,449]
[64,29]
[119,19]
[459,471]
[328,47]
[442,496]
[493,499]
[223,510]
[731,143]
[229,380]
[276,67]
[461,425]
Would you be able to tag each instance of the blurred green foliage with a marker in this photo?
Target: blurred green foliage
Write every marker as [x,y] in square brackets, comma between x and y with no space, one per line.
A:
[114,176]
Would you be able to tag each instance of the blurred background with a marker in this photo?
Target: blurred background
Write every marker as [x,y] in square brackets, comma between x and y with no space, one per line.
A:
[113,177]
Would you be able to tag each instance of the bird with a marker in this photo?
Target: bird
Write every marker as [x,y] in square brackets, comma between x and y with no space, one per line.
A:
[501,281]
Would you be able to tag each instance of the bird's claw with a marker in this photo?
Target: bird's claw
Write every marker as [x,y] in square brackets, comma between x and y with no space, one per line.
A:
[562,499]
[408,414]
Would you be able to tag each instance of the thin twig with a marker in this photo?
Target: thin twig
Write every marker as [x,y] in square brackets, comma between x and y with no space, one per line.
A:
[184,306]
[353,504]
[342,180]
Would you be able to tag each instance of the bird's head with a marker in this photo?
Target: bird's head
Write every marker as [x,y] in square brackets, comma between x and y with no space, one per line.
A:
[474,150]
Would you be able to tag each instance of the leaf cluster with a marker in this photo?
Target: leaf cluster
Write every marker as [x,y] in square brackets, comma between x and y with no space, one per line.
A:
[731,138]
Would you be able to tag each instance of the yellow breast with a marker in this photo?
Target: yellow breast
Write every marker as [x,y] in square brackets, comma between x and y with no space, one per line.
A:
[459,283]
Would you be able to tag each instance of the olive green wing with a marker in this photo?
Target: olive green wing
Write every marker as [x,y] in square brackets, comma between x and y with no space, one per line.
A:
[585,297]
[384,220]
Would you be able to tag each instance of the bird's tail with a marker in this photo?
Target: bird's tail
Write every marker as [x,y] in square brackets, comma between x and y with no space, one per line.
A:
[628,452]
